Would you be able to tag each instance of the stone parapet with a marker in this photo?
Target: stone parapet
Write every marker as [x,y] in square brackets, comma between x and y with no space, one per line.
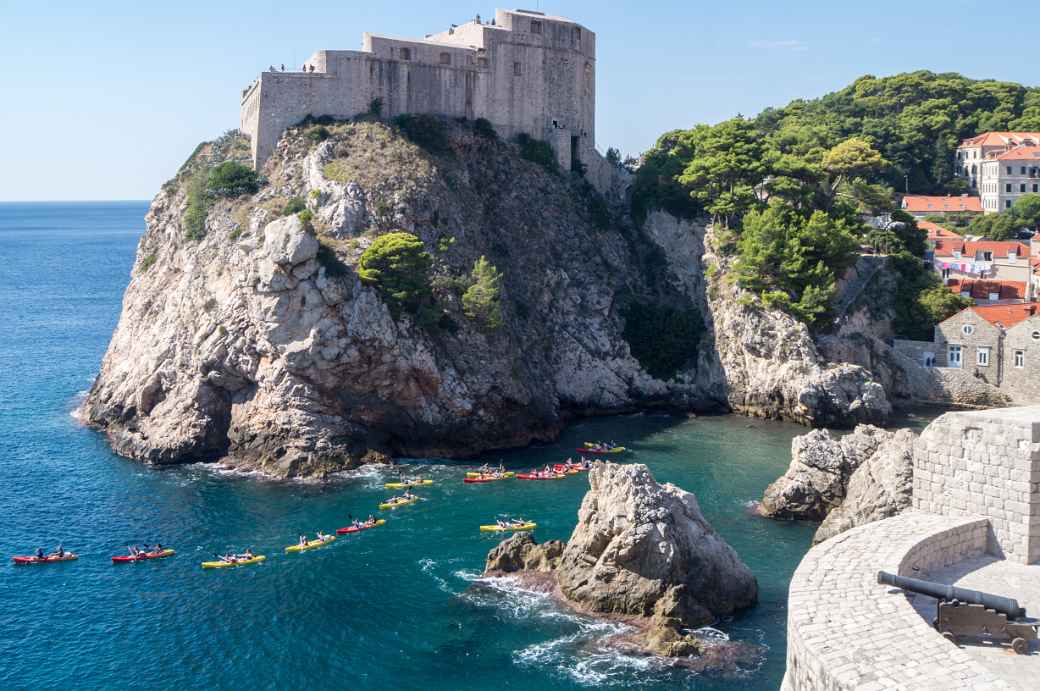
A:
[844,631]
[985,463]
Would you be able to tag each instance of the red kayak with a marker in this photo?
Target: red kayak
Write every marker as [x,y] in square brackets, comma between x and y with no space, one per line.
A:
[472,480]
[531,476]
[142,556]
[49,559]
[353,529]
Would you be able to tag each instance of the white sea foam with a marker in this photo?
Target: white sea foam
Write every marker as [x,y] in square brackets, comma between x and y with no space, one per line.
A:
[427,566]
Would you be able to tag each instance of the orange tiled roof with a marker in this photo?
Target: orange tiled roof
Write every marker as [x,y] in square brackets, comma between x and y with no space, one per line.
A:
[946,247]
[920,203]
[981,290]
[1022,153]
[936,231]
[1005,315]
[1002,139]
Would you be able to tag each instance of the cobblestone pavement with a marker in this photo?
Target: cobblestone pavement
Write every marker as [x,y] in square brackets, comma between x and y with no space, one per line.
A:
[999,577]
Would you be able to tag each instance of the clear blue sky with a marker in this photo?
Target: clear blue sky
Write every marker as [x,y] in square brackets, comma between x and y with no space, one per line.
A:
[104,100]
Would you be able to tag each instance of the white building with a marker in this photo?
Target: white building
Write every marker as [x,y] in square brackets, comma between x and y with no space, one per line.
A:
[1004,177]
[972,152]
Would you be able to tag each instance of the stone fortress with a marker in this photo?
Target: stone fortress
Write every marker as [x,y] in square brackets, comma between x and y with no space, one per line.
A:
[974,522]
[525,72]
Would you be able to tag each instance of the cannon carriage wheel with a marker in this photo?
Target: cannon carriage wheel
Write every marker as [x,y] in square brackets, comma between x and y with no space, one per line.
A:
[1020,646]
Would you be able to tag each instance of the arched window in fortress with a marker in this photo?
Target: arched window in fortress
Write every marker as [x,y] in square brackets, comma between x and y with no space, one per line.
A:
[588,79]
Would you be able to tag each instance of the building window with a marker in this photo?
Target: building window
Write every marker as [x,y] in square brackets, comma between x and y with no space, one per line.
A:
[406,53]
[536,27]
[1009,170]
[445,58]
[1036,188]
[1007,203]
[953,356]
[928,359]
[968,329]
[516,69]
[1020,359]
[982,357]
[1022,187]
[1035,335]
[577,35]
[1007,187]
[1023,170]
[482,62]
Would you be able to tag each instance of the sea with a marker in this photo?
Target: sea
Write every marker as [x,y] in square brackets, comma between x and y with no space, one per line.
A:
[401,606]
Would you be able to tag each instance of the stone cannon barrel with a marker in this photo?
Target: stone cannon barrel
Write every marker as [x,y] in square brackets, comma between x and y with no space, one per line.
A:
[941,591]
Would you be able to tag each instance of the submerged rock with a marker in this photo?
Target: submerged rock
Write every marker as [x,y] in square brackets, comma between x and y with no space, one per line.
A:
[844,482]
[642,552]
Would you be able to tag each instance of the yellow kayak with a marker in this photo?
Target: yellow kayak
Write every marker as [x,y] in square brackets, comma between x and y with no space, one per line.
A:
[311,544]
[227,564]
[386,505]
[407,483]
[499,529]
[474,473]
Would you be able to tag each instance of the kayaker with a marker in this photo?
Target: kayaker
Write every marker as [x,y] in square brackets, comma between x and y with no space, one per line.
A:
[39,553]
[501,523]
[61,551]
[356,523]
[158,548]
[371,520]
[322,536]
[303,541]
[248,554]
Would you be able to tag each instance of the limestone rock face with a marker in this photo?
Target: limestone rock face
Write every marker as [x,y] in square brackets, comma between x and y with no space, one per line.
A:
[259,345]
[844,482]
[774,370]
[645,549]
[880,487]
[521,553]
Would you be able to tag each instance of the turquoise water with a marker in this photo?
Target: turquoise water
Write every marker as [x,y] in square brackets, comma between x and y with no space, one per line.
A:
[398,606]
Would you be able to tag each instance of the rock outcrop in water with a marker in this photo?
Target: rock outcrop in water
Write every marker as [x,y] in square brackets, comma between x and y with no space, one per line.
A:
[253,340]
[641,551]
[848,481]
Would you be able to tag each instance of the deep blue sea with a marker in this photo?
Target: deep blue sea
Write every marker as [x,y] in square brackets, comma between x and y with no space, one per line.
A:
[400,606]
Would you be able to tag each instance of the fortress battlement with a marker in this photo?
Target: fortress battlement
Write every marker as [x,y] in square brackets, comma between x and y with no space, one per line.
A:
[524,72]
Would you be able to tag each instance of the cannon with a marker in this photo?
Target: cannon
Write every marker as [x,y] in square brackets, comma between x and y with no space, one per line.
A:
[962,612]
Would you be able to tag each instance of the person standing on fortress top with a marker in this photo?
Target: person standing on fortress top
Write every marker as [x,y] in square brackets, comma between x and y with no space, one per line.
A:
[283,67]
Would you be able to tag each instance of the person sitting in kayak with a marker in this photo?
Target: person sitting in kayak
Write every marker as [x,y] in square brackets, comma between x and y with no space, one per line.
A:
[248,554]
[39,553]
[371,520]
[501,523]
[159,548]
[303,541]
[323,537]
[60,552]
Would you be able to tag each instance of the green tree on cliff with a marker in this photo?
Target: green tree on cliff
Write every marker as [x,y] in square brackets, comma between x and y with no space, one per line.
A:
[398,265]
[480,302]
[792,262]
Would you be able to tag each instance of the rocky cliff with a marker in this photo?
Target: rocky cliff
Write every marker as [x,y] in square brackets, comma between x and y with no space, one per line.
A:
[641,551]
[844,482]
[252,338]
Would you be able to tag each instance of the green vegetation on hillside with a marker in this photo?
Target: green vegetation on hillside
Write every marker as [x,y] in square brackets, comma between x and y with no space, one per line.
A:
[1025,213]
[480,302]
[787,189]
[398,265]
[232,179]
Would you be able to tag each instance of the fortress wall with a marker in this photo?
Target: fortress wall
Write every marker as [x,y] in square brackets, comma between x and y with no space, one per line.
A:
[539,82]
[845,631]
[985,463]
